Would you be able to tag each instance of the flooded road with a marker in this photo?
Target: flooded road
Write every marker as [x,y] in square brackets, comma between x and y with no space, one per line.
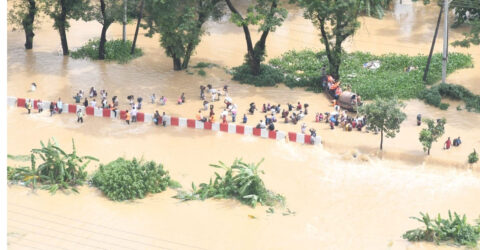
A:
[341,201]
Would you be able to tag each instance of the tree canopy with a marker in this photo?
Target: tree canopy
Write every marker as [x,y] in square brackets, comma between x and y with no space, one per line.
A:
[431,133]
[267,15]
[384,115]
[179,23]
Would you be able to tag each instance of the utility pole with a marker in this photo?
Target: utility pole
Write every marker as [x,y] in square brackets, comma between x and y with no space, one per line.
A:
[433,45]
[445,41]
[124,37]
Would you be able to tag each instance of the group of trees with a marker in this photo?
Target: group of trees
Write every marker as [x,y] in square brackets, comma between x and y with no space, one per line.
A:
[180,22]
[386,115]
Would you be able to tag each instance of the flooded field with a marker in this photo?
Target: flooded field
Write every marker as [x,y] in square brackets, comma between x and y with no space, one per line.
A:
[341,201]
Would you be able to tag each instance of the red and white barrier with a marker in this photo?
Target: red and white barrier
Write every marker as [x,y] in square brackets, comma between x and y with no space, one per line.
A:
[11,101]
[230,128]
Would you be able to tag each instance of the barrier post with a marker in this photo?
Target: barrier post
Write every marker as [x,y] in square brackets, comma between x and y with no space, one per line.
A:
[199,125]
[300,138]
[264,133]
[140,117]
[191,123]
[248,130]
[11,101]
[21,102]
[182,122]
[240,129]
[292,136]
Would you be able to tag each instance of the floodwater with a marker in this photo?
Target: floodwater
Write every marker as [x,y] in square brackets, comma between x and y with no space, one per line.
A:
[341,201]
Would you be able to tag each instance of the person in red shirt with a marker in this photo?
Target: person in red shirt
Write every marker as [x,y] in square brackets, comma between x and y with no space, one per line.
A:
[448,143]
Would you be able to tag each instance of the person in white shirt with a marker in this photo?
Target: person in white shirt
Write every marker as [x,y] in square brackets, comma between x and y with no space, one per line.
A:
[262,125]
[153,98]
[33,87]
[134,114]
[93,103]
[304,127]
[60,106]
[224,113]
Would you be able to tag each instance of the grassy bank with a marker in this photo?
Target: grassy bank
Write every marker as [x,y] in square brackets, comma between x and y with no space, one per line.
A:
[302,69]
[115,50]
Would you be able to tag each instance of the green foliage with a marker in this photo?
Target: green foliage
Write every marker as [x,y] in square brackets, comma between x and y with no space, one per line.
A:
[73,9]
[384,115]
[472,37]
[115,50]
[201,65]
[434,95]
[179,24]
[454,228]
[336,20]
[202,72]
[374,7]
[241,181]
[22,15]
[473,157]
[131,179]
[444,106]
[432,133]
[267,15]
[269,76]
[302,69]
[58,170]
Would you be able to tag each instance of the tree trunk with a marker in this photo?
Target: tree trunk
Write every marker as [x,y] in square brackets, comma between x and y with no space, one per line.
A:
[381,139]
[177,63]
[188,53]
[103,40]
[428,151]
[27,24]
[138,26]
[248,39]
[61,28]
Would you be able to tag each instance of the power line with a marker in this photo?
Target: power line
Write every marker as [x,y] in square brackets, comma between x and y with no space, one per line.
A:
[49,229]
[86,230]
[110,228]
[51,236]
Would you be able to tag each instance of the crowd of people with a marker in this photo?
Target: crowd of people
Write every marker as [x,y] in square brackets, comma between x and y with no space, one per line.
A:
[290,114]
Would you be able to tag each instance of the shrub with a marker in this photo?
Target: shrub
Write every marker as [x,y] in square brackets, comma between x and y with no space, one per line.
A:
[115,50]
[269,76]
[131,179]
[434,95]
[204,65]
[438,230]
[444,106]
[473,157]
[241,181]
[202,72]
[58,170]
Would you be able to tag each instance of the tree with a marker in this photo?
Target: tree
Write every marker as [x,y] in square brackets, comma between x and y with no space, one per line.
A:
[140,15]
[432,133]
[179,23]
[384,115]
[267,15]
[337,20]
[22,15]
[108,12]
[63,10]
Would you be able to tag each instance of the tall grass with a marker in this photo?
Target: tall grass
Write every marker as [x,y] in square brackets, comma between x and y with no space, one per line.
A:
[454,229]
[240,181]
[58,170]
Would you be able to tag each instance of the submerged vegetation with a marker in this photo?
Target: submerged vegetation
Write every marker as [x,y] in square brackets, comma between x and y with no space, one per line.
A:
[115,50]
[241,181]
[398,75]
[131,179]
[473,157]
[453,229]
[58,170]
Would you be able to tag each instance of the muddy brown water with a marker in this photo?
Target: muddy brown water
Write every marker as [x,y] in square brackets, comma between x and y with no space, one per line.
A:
[341,201]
